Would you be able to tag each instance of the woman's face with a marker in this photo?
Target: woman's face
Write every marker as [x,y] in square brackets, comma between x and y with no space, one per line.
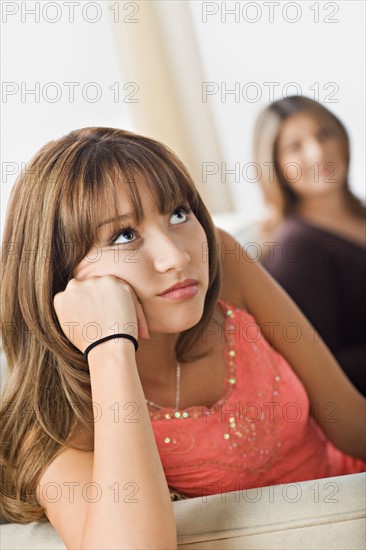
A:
[162,251]
[312,154]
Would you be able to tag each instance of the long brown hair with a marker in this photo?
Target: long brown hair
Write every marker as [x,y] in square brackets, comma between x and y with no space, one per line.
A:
[280,199]
[51,223]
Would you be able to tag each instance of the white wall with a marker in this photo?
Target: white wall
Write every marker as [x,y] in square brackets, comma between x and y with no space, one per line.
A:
[38,53]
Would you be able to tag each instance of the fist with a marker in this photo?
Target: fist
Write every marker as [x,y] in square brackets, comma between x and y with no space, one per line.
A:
[90,309]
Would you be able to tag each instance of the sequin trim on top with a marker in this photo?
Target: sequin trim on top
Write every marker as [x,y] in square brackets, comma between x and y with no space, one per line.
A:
[197,411]
[255,438]
[252,438]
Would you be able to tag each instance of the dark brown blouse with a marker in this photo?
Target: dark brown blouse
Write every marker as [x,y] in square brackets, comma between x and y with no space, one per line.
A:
[325,275]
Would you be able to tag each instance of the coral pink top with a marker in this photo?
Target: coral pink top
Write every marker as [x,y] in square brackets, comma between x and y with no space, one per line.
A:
[259,433]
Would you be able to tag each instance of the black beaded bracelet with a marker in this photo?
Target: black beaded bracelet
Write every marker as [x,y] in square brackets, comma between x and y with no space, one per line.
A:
[110,337]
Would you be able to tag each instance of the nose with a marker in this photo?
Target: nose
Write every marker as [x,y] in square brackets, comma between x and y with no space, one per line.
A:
[313,151]
[169,253]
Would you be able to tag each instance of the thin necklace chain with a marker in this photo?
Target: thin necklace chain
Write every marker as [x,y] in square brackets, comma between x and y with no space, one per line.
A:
[177,393]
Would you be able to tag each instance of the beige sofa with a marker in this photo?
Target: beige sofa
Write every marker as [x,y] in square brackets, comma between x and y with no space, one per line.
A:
[322,514]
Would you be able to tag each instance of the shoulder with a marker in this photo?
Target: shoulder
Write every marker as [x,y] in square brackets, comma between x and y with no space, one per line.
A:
[294,230]
[296,246]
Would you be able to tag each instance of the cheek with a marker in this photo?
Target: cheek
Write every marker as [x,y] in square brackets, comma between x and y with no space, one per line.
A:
[101,262]
[201,257]
[336,156]
[290,166]
[199,242]
[340,157]
[293,173]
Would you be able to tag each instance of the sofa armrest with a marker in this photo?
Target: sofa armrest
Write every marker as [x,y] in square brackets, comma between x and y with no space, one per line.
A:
[323,513]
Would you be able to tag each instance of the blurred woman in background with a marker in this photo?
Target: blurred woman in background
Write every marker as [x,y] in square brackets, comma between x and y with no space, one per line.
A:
[314,237]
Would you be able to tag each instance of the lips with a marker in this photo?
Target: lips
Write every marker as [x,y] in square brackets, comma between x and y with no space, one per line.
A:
[183,284]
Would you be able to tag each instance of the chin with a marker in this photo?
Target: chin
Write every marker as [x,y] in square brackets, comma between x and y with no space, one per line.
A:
[176,322]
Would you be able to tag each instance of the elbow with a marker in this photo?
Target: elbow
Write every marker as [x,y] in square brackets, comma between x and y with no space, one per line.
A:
[166,541]
[167,544]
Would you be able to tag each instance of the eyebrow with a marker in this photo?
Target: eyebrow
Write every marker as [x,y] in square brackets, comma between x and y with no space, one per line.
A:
[121,217]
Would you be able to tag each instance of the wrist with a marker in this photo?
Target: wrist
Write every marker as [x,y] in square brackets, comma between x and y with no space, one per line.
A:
[114,350]
[115,337]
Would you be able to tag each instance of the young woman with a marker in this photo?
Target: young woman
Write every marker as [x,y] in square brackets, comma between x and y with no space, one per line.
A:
[107,236]
[315,235]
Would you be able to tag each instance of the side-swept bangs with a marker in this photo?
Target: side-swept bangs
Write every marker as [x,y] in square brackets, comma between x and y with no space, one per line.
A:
[99,168]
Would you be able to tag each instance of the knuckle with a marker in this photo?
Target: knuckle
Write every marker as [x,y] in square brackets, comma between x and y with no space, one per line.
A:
[127,288]
[106,280]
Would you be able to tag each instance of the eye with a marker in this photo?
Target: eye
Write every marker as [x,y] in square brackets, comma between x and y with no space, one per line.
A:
[325,133]
[293,147]
[181,214]
[127,233]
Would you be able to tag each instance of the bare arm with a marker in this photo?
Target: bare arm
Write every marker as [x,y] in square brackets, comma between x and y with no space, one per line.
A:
[120,495]
[135,509]
[312,361]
